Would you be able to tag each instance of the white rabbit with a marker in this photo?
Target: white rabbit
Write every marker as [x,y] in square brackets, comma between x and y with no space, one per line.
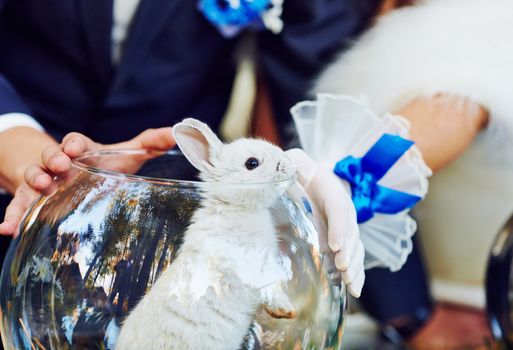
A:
[228,263]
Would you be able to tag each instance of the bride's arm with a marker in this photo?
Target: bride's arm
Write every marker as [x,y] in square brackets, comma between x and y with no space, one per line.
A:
[443,126]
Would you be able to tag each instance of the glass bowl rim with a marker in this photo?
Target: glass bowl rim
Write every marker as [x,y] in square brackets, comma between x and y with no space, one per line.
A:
[78,164]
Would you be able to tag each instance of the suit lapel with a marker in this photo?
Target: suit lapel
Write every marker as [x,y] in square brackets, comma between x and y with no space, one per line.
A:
[96,17]
[147,23]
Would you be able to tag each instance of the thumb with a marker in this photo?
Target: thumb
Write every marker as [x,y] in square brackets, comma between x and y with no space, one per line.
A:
[355,287]
[160,139]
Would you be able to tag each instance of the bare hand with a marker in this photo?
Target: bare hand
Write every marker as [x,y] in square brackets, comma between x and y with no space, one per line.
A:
[56,161]
[443,126]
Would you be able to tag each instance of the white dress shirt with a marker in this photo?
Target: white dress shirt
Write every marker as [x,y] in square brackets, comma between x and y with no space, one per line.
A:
[124,11]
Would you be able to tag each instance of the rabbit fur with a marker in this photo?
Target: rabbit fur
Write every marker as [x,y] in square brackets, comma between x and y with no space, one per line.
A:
[228,263]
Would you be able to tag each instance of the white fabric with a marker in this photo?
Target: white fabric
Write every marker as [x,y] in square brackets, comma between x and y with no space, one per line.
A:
[459,46]
[462,47]
[124,11]
[334,127]
[11,120]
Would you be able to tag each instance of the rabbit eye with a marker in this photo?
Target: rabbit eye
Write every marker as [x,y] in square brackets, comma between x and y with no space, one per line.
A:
[252,163]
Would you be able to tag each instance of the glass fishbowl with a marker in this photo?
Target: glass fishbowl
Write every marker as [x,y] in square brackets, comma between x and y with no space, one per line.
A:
[499,287]
[106,257]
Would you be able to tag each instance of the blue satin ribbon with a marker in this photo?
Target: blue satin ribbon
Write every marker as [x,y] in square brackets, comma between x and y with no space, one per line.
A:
[224,13]
[364,173]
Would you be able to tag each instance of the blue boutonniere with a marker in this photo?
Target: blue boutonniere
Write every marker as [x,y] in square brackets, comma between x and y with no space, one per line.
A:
[233,16]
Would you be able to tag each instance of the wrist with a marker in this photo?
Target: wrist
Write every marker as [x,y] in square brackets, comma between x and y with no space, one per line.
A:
[443,126]
[20,147]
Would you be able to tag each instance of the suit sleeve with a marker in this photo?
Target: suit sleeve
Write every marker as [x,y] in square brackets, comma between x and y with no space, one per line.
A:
[314,31]
[10,101]
[13,111]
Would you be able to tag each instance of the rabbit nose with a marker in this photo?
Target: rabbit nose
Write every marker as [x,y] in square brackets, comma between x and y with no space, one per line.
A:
[278,166]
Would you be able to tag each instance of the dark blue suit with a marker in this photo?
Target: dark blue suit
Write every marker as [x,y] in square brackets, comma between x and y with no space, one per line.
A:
[55,62]
[56,65]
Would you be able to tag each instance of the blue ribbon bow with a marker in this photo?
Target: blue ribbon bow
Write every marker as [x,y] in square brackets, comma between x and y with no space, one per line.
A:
[364,173]
[237,15]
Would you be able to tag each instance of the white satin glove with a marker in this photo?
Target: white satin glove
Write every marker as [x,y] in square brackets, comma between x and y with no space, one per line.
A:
[334,209]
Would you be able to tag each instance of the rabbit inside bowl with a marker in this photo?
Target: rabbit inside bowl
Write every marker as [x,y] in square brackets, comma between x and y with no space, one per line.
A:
[228,263]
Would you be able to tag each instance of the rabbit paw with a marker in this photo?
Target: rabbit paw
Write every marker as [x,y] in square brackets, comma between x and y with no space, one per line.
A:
[280,313]
[278,304]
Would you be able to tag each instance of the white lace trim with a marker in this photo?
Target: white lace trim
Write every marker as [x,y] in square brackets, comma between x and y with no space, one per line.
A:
[335,126]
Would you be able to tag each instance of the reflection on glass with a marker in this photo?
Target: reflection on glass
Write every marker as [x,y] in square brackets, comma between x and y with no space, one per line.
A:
[92,250]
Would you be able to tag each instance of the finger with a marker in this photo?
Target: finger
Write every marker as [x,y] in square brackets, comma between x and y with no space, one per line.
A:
[341,262]
[8,226]
[23,197]
[356,264]
[343,233]
[157,139]
[341,215]
[340,228]
[343,239]
[74,144]
[350,252]
[355,287]
[55,160]
[37,178]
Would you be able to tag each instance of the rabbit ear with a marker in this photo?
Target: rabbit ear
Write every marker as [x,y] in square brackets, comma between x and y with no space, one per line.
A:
[198,143]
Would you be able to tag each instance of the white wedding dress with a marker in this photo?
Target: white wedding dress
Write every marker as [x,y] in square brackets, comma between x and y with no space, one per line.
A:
[462,47]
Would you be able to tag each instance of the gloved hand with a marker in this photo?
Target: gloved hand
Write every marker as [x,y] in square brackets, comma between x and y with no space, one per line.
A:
[336,217]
